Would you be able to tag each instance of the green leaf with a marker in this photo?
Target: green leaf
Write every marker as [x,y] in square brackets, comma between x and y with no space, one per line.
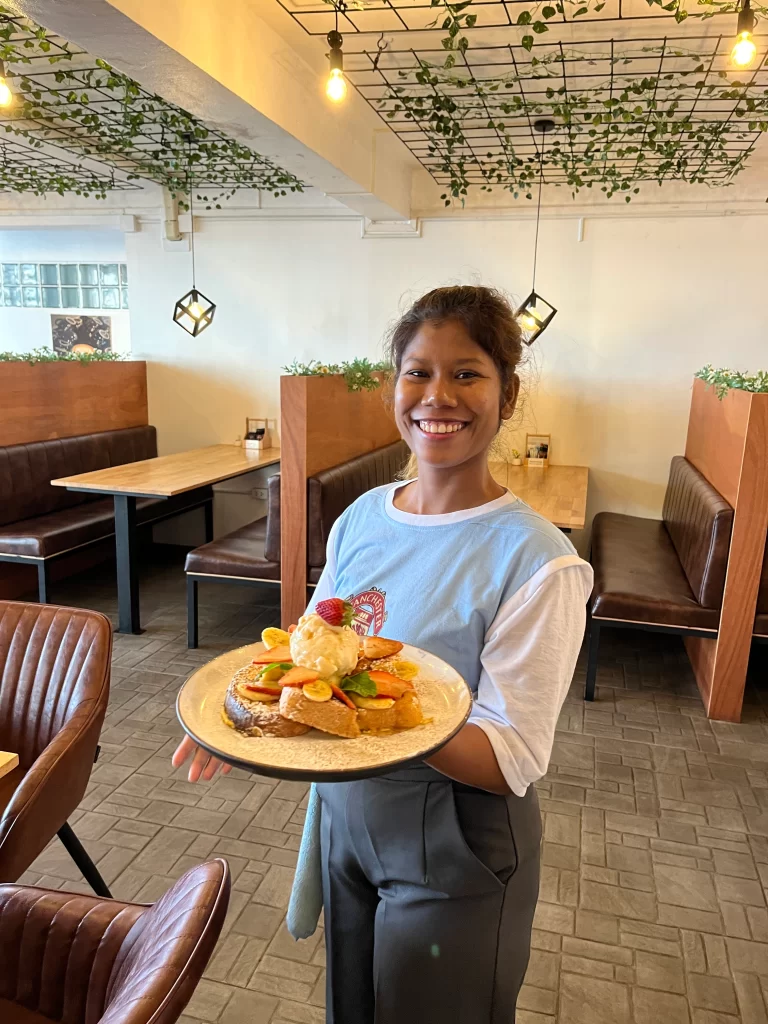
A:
[524,18]
[527,43]
[361,684]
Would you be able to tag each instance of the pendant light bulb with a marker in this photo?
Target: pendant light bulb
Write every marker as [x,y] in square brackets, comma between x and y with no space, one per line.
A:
[6,95]
[336,86]
[744,49]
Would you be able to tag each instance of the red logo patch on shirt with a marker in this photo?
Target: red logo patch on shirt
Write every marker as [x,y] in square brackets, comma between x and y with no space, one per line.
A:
[369,611]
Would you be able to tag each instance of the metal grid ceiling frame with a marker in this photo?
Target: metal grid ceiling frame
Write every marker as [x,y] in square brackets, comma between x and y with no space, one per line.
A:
[696,118]
[69,100]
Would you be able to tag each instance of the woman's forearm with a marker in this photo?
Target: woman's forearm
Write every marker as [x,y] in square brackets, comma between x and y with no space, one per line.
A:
[469,758]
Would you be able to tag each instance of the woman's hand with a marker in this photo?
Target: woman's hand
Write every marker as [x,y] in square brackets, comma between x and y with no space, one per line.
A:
[203,765]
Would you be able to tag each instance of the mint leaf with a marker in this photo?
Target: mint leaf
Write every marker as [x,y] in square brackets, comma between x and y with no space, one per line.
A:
[361,684]
[284,665]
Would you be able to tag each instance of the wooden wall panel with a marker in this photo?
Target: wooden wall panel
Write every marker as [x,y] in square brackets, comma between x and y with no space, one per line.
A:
[48,400]
[321,425]
[717,429]
[728,443]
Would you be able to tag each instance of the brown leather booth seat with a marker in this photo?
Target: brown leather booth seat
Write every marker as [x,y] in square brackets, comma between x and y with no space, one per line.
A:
[39,522]
[665,574]
[252,553]
[761,612]
[80,960]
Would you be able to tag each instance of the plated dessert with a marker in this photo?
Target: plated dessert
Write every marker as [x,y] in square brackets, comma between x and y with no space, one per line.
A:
[321,675]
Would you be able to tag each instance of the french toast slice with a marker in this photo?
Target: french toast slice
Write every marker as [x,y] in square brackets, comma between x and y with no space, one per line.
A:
[328,716]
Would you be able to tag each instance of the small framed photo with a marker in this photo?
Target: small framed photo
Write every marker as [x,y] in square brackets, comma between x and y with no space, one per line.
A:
[537,449]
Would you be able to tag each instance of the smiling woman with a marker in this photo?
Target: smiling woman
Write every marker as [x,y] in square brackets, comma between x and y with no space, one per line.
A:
[455,354]
[430,875]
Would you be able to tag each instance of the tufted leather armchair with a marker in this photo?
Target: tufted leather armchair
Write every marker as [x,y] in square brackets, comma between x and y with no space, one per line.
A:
[82,960]
[54,687]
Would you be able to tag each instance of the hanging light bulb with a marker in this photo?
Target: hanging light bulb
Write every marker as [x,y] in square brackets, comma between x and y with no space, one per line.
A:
[194,311]
[336,86]
[535,314]
[6,96]
[744,50]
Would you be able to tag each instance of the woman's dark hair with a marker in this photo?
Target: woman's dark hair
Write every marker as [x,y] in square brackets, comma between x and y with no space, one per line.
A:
[485,314]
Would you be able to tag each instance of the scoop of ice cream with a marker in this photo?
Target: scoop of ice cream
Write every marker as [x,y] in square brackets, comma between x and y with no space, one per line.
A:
[330,650]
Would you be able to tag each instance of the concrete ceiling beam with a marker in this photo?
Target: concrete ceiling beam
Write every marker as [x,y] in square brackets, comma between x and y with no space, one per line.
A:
[249,70]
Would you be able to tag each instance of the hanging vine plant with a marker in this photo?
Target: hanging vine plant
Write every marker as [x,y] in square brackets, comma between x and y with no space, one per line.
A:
[90,109]
[455,19]
[633,135]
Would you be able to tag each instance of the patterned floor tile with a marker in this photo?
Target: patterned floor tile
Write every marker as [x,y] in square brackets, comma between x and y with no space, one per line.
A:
[655,855]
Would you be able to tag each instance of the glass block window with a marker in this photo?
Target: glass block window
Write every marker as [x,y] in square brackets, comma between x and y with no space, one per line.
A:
[64,285]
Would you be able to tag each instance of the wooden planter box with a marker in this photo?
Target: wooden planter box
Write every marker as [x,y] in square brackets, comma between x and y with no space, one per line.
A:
[728,443]
[321,425]
[41,401]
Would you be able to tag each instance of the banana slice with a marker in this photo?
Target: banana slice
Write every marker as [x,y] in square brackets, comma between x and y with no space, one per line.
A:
[271,675]
[371,703]
[318,691]
[274,637]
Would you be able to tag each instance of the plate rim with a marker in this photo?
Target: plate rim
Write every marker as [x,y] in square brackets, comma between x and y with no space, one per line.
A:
[311,774]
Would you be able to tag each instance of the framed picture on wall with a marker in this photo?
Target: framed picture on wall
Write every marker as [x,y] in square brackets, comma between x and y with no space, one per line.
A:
[537,447]
[81,334]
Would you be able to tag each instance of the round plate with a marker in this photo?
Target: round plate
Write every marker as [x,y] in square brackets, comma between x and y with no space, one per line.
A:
[445,699]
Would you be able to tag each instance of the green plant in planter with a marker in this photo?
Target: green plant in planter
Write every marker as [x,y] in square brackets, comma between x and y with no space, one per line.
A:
[723,380]
[47,355]
[358,373]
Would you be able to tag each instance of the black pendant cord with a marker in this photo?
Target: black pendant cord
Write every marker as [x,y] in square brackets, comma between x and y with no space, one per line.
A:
[191,211]
[538,217]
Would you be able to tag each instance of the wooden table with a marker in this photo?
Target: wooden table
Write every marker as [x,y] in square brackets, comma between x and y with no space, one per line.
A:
[559,493]
[162,477]
[8,762]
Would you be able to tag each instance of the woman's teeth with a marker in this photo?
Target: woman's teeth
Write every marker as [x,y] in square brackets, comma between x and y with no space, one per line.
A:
[434,427]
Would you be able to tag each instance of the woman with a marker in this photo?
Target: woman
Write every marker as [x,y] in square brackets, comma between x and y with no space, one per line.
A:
[430,874]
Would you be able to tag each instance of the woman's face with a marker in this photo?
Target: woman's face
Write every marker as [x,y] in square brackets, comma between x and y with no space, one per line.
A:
[448,397]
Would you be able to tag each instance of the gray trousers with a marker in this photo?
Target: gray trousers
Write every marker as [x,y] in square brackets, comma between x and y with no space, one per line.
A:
[429,890]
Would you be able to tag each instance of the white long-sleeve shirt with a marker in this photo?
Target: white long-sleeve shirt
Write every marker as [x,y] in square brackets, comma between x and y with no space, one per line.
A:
[496,591]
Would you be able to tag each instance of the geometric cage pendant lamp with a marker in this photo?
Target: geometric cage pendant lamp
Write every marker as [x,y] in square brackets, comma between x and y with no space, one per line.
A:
[194,312]
[536,314]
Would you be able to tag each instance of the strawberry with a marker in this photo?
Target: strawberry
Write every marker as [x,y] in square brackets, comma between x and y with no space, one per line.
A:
[335,612]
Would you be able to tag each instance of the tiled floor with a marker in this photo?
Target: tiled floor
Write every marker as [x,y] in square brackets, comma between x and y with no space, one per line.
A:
[655,860]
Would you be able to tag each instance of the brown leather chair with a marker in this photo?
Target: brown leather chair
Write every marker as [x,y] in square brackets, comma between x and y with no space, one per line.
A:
[760,629]
[54,687]
[665,575]
[251,555]
[81,960]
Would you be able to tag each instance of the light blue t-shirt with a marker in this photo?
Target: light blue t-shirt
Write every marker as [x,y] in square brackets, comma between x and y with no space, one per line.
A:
[437,582]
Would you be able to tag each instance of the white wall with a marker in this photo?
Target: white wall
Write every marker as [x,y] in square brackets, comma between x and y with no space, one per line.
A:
[642,304]
[22,329]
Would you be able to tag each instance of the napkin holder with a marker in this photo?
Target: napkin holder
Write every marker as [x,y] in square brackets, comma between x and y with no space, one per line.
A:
[256,434]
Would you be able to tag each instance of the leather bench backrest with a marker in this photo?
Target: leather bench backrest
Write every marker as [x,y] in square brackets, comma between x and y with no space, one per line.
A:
[698,520]
[27,469]
[762,594]
[329,493]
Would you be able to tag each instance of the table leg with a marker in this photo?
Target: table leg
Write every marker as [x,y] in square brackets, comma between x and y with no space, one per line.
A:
[208,509]
[127,572]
